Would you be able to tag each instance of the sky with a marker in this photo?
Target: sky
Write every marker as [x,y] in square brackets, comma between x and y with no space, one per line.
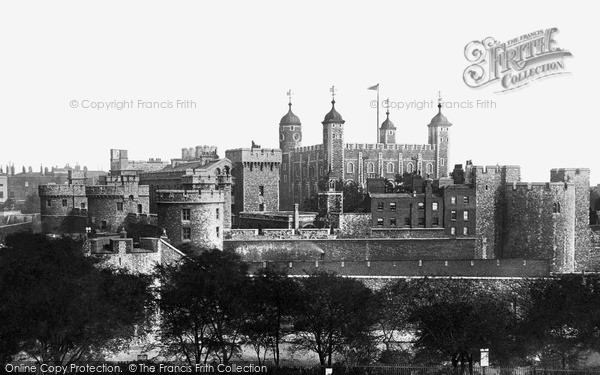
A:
[236,60]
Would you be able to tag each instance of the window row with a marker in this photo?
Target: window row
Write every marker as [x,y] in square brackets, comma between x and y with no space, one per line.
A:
[454,215]
[186,233]
[392,206]
[392,221]
[390,167]
[454,199]
[465,231]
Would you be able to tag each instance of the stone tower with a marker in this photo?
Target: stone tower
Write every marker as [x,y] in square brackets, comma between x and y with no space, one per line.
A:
[192,219]
[333,143]
[439,134]
[290,137]
[580,177]
[387,131]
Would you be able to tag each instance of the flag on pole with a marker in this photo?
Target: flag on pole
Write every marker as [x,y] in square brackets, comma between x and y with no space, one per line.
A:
[376,87]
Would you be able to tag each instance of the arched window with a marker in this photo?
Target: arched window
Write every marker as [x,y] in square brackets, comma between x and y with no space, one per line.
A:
[350,168]
[370,167]
[429,168]
[390,168]
[410,167]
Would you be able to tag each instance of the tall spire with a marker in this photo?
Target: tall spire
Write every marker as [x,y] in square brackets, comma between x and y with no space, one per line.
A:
[289,94]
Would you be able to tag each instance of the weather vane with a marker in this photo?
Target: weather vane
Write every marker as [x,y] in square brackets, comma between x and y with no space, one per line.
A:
[332,90]
[289,94]
[439,97]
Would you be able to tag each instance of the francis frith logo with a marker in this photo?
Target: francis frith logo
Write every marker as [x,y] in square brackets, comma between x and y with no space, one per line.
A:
[514,63]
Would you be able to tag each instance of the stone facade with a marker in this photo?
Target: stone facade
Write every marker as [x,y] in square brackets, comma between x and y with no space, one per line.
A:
[303,167]
[192,219]
[104,208]
[141,257]
[256,173]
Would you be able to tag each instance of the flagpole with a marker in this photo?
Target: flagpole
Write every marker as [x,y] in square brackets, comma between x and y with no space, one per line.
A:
[377,125]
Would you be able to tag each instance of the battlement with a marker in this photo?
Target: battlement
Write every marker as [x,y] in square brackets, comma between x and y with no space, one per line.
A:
[564,174]
[115,190]
[61,190]
[538,186]
[190,196]
[308,148]
[118,179]
[390,146]
[205,178]
[494,169]
[272,155]
[198,152]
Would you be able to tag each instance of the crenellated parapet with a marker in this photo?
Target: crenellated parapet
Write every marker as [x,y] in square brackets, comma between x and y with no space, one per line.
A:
[190,196]
[61,191]
[390,146]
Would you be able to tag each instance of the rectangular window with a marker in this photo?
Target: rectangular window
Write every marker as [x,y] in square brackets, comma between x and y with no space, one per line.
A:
[379,206]
[140,208]
[261,191]
[436,222]
[64,203]
[466,231]
[218,232]
[453,231]
[186,233]
[218,214]
[26,183]
[261,207]
[434,206]
[392,221]
[452,200]
[103,225]
[452,215]
[466,200]
[185,214]
[465,215]
[393,206]
[119,206]
[422,221]
[83,206]
[407,221]
[1,194]
[49,203]
[379,222]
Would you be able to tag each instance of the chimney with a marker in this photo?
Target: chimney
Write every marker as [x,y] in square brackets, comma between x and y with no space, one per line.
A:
[296,217]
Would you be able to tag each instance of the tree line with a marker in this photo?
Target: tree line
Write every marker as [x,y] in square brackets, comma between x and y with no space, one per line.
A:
[59,306]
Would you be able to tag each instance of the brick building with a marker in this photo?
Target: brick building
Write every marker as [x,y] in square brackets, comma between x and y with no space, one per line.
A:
[303,167]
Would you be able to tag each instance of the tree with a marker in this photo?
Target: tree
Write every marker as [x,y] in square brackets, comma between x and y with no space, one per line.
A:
[354,199]
[453,319]
[59,307]
[335,314]
[203,305]
[272,299]
[562,318]
[394,302]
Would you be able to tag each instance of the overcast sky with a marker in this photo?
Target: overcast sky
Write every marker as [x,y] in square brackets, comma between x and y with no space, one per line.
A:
[237,59]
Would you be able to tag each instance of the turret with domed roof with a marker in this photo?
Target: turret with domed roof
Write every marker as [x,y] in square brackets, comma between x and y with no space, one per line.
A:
[333,141]
[387,131]
[290,130]
[439,134]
